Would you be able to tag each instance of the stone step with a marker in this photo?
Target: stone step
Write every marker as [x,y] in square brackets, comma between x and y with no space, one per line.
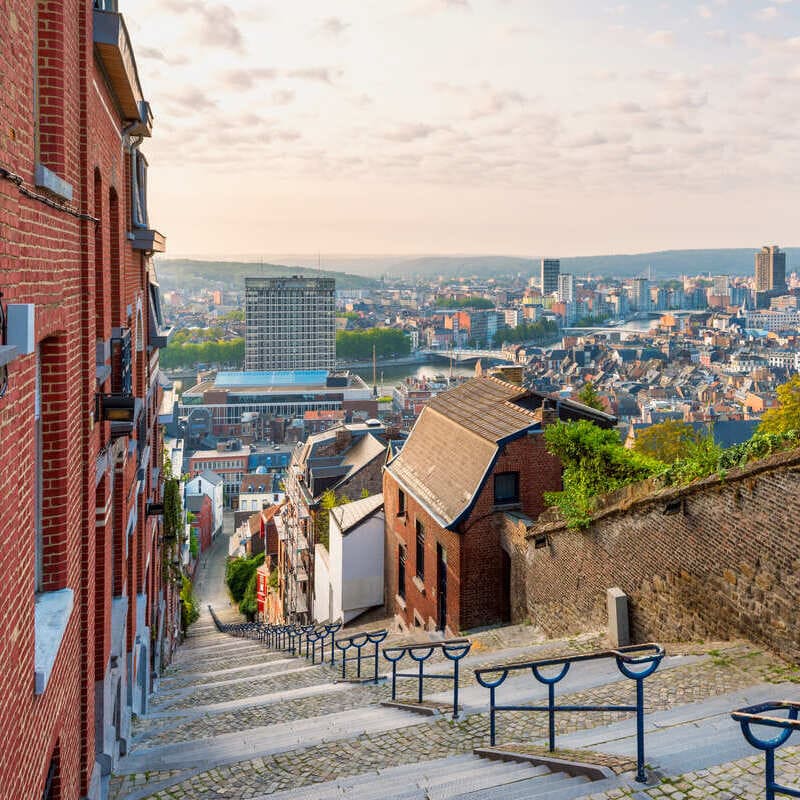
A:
[199,677]
[439,779]
[554,786]
[277,738]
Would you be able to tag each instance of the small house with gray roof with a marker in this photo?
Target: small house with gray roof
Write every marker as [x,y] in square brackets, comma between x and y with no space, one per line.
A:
[475,454]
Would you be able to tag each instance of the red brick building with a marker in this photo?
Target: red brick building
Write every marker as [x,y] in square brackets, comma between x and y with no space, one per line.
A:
[88,614]
[476,453]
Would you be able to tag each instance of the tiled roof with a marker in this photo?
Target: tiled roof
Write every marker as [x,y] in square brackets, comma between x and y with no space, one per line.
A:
[351,514]
[484,407]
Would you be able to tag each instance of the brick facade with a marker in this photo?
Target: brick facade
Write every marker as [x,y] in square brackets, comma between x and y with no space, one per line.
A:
[713,560]
[480,571]
[65,211]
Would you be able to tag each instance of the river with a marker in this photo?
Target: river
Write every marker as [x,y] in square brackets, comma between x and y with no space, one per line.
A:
[391,376]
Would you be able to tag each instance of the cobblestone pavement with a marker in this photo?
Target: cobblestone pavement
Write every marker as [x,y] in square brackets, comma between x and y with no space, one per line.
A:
[737,780]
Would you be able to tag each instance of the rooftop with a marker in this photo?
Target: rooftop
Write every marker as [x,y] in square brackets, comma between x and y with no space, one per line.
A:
[298,377]
[351,514]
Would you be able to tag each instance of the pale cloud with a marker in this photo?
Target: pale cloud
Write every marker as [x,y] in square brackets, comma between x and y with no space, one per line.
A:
[282,97]
[320,74]
[720,35]
[248,78]
[661,38]
[412,132]
[705,12]
[767,13]
[333,26]
[216,22]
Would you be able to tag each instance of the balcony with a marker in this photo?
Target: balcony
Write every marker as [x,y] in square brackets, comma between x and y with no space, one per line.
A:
[115,54]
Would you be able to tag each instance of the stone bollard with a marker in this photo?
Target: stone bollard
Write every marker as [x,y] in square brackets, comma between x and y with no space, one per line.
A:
[618,628]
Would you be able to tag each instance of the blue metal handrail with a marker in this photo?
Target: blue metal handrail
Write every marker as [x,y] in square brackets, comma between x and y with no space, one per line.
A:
[650,659]
[359,641]
[762,715]
[452,649]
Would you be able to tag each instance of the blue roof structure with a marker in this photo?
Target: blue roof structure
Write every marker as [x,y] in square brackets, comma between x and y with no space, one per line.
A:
[298,377]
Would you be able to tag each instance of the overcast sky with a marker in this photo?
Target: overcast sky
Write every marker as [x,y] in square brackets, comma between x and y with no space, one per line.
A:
[522,127]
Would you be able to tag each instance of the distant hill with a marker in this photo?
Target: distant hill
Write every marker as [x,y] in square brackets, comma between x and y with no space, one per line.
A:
[188,273]
[664,264]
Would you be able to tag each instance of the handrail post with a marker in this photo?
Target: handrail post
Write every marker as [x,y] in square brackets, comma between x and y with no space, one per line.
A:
[394,680]
[551,714]
[491,716]
[419,685]
[640,776]
[770,773]
[375,678]
[455,689]
[358,662]
[333,647]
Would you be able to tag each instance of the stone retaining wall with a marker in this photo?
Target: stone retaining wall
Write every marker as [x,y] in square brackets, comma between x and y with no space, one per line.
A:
[720,558]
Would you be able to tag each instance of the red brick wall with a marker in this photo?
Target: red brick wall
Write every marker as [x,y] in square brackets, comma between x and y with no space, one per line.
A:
[64,266]
[477,592]
[726,564]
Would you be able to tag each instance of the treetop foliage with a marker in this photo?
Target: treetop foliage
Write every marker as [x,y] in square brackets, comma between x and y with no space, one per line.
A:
[357,345]
[668,441]
[786,417]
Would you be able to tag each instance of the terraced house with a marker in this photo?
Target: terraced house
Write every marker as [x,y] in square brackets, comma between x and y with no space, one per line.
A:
[88,613]
[475,457]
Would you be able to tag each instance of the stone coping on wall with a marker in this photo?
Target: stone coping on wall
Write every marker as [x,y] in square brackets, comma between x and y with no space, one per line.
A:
[646,493]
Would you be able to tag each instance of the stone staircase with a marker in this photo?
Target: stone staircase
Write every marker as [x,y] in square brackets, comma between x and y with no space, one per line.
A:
[234,719]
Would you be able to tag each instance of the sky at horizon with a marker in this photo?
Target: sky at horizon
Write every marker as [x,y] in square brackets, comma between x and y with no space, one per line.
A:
[561,127]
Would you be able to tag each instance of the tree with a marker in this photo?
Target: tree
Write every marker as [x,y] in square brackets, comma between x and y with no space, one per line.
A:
[668,441]
[357,345]
[589,396]
[786,417]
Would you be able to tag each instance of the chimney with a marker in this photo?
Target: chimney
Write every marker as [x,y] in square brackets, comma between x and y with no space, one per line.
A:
[549,412]
[343,440]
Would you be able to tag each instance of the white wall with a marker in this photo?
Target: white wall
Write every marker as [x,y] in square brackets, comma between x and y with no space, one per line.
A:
[356,567]
[199,485]
[322,581]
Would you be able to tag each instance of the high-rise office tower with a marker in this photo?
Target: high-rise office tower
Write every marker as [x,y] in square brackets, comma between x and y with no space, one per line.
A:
[290,323]
[640,296]
[770,269]
[549,275]
[566,287]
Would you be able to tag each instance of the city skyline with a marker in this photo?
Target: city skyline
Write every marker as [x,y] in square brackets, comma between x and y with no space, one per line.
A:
[558,128]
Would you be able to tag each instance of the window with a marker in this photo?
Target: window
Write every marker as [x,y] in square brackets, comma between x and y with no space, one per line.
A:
[401,571]
[401,503]
[506,487]
[420,554]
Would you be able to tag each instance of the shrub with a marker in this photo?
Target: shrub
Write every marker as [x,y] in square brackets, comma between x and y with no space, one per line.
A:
[238,572]
[189,609]
[595,463]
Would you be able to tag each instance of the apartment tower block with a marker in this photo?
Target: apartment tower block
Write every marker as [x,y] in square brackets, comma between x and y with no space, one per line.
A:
[550,268]
[770,269]
[290,323]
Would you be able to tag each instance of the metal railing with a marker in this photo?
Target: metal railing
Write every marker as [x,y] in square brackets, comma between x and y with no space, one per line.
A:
[359,641]
[649,660]
[766,714]
[452,649]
